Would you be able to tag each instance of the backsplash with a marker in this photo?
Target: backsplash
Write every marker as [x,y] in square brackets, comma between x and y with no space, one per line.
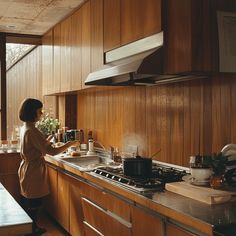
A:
[181,119]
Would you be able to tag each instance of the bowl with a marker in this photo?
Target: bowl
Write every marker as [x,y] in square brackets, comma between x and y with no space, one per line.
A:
[201,174]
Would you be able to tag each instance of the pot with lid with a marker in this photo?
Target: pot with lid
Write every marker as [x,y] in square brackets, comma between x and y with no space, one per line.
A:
[138,167]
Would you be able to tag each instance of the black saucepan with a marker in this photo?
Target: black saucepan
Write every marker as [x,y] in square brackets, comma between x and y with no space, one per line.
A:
[138,167]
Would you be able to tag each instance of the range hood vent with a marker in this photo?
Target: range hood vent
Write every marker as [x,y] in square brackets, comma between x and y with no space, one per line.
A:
[139,63]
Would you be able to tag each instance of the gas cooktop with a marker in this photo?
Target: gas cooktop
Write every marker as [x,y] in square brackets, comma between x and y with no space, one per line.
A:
[161,174]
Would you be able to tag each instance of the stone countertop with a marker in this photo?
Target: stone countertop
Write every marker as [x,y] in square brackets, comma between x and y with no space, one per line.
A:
[185,210]
[13,219]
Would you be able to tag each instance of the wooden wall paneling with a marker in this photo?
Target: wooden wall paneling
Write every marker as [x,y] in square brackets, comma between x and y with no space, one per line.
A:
[76,52]
[216,115]
[57,58]
[233,110]
[111,24]
[225,111]
[100,107]
[61,109]
[176,123]
[129,119]
[23,80]
[206,125]
[86,42]
[195,116]
[116,116]
[152,123]
[163,123]
[187,124]
[66,55]
[47,59]
[96,34]
[140,120]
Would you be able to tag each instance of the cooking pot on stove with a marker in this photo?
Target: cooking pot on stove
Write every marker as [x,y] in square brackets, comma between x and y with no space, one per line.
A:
[137,167]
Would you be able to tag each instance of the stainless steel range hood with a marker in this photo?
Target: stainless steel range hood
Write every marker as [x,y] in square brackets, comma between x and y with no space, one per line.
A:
[133,64]
[137,63]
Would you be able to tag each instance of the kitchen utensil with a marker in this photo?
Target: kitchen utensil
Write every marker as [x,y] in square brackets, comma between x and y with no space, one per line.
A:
[137,167]
[203,194]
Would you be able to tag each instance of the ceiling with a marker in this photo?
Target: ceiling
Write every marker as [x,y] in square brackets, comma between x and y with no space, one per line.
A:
[34,17]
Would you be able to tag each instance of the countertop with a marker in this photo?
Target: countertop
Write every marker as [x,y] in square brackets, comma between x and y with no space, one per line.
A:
[185,210]
[13,219]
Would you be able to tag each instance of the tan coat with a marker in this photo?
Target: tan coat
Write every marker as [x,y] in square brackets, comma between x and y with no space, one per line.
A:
[33,171]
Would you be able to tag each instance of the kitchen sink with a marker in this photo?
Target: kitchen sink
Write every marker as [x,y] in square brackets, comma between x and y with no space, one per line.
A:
[83,162]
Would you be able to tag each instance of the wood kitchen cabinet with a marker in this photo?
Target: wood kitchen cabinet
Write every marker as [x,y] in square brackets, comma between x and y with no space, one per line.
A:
[9,164]
[51,200]
[57,203]
[76,212]
[56,59]
[126,21]
[146,223]
[191,35]
[176,231]
[63,205]
[47,63]
[101,208]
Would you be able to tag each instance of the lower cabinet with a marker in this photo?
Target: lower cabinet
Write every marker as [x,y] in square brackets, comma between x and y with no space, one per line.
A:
[76,213]
[9,165]
[52,199]
[146,223]
[63,204]
[176,231]
[85,209]
[104,221]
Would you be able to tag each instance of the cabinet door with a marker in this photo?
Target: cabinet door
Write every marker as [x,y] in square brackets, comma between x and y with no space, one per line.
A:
[57,58]
[76,212]
[176,231]
[96,34]
[139,19]
[76,50]
[106,201]
[66,55]
[99,219]
[63,201]
[126,21]
[47,63]
[145,223]
[86,41]
[9,164]
[51,200]
[111,24]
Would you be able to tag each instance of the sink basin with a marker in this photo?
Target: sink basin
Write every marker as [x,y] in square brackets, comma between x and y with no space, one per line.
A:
[83,162]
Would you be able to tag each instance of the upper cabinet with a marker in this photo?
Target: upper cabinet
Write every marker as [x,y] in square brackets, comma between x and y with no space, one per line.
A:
[47,63]
[126,21]
[191,35]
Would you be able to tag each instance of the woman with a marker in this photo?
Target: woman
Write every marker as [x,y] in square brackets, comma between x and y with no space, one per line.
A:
[32,171]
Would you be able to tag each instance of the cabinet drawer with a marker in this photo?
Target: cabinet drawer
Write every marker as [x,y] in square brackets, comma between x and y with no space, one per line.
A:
[106,201]
[90,231]
[99,219]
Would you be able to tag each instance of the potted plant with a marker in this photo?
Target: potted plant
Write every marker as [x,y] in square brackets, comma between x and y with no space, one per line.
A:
[47,124]
[217,162]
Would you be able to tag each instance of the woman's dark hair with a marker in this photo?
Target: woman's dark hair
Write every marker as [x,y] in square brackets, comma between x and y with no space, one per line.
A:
[29,106]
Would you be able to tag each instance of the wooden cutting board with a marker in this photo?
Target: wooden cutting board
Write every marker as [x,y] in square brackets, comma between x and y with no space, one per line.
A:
[203,194]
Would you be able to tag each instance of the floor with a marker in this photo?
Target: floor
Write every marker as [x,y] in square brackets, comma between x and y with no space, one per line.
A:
[53,229]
